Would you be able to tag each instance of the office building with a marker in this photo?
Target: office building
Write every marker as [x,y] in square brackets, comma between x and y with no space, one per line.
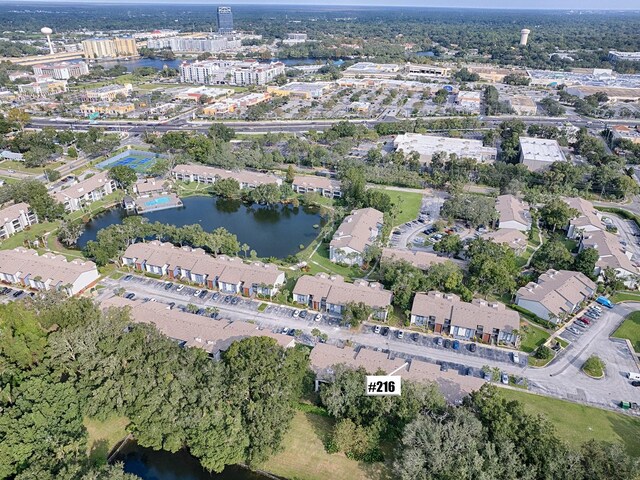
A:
[108,93]
[469,102]
[43,88]
[523,105]
[418,70]
[99,48]
[61,71]
[615,56]
[370,69]
[306,90]
[225,20]
[107,108]
[429,145]
[539,153]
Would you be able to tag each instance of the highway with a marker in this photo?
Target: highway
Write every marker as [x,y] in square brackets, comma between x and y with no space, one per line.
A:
[275,126]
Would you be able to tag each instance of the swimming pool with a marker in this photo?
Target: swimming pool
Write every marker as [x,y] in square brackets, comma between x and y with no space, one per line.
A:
[157,201]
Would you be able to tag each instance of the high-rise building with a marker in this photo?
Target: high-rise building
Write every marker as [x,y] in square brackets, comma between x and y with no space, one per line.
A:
[230,72]
[225,20]
[110,48]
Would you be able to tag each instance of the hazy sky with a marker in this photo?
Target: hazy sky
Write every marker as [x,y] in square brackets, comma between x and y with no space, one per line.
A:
[522,4]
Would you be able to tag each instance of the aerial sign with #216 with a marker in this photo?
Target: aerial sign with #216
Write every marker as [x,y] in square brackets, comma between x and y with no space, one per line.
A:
[383,385]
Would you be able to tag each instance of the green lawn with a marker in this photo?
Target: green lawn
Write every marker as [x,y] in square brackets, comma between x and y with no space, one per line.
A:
[532,337]
[625,295]
[103,436]
[20,167]
[409,203]
[97,207]
[319,262]
[9,180]
[630,329]
[576,424]
[303,456]
[185,189]
[34,231]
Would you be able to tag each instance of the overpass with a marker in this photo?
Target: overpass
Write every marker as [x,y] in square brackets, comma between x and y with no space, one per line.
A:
[37,59]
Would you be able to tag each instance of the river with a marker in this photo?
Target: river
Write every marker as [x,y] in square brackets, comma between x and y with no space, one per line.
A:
[272,231]
[150,464]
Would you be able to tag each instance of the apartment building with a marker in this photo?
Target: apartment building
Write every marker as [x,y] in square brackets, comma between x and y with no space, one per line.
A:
[99,48]
[209,175]
[327,187]
[611,253]
[513,213]
[355,235]
[43,88]
[15,218]
[47,271]
[193,44]
[587,221]
[446,313]
[86,192]
[232,72]
[228,274]
[556,295]
[331,294]
[61,71]
[108,93]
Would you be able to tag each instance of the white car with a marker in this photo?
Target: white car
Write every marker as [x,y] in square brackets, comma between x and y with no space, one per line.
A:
[197,292]
[285,331]
[296,313]
[516,357]
[180,287]
[318,317]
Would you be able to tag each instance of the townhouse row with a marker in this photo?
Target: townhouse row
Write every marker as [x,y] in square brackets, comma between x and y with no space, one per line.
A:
[15,218]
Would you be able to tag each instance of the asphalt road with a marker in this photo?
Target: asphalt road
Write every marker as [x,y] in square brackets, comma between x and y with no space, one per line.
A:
[562,378]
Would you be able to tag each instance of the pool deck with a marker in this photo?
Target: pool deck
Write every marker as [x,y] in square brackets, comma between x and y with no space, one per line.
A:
[174,202]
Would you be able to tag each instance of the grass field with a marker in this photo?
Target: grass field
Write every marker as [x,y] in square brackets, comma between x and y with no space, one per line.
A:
[409,203]
[630,329]
[103,436]
[319,262]
[625,295]
[576,424]
[304,457]
[532,337]
[34,231]
[20,167]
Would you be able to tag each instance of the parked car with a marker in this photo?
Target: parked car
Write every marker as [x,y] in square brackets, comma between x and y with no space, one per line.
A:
[227,299]
[581,323]
[505,379]
[129,296]
[415,337]
[197,293]
[171,304]
[318,317]
[586,320]
[303,314]
[168,285]
[400,334]
[203,294]
[439,341]
[377,329]
[636,383]
[605,302]
[127,278]
[215,296]
[385,331]
[515,357]
[447,343]
[473,347]
[285,331]
[456,345]
[180,288]
[574,330]
[5,290]
[235,300]
[17,293]
[296,313]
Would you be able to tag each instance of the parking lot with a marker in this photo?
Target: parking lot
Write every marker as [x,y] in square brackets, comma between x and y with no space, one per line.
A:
[8,294]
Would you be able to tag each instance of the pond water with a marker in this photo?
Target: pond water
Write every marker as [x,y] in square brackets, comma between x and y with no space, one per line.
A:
[160,465]
[131,65]
[272,231]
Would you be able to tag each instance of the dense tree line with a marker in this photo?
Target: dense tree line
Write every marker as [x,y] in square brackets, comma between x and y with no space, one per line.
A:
[63,360]
[112,241]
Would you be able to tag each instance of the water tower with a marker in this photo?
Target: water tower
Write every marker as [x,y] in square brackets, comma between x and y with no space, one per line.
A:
[47,31]
[524,36]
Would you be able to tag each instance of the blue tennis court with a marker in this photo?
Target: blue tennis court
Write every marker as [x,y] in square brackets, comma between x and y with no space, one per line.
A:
[138,160]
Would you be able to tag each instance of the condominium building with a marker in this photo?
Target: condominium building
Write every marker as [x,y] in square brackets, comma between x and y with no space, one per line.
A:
[189,44]
[86,192]
[587,220]
[43,88]
[203,174]
[429,145]
[446,313]
[539,153]
[61,71]
[611,253]
[192,330]
[15,218]
[225,20]
[228,274]
[107,108]
[355,235]
[513,213]
[556,294]
[108,93]
[327,187]
[418,70]
[615,56]
[99,48]
[47,271]
[232,72]
[326,293]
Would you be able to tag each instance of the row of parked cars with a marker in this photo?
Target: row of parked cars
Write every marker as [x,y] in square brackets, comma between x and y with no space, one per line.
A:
[14,293]
[581,324]
[303,314]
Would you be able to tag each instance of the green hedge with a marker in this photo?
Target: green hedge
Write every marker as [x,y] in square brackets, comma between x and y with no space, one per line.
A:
[533,317]
[622,213]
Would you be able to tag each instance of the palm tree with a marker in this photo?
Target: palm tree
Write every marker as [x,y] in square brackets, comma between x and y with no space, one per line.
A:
[245,248]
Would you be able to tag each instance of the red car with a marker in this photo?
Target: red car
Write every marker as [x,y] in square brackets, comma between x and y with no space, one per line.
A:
[585,320]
